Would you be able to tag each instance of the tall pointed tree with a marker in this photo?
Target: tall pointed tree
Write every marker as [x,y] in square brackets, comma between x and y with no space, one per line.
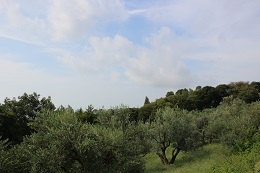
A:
[146,101]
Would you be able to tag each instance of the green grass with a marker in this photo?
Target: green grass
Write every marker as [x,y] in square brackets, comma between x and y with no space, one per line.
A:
[198,161]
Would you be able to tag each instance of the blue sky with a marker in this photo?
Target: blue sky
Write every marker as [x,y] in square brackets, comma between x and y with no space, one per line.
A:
[108,53]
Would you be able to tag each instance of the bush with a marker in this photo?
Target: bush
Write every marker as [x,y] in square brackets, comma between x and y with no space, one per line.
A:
[242,162]
[62,144]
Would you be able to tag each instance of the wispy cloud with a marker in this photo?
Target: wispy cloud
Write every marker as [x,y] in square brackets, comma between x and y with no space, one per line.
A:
[15,24]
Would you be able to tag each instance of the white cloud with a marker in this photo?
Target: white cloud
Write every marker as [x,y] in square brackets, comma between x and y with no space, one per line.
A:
[225,36]
[78,63]
[111,50]
[162,64]
[70,19]
[203,17]
[59,20]
[159,64]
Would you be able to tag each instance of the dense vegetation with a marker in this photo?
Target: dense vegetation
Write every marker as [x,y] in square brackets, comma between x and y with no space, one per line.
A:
[201,97]
[224,120]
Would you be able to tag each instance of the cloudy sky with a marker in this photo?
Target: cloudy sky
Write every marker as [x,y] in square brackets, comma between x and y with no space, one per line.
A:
[112,52]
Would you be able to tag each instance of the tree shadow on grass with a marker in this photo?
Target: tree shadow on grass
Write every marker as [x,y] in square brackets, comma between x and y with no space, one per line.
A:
[157,169]
[191,156]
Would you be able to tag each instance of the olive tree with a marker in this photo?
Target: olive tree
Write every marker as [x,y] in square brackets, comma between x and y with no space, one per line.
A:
[234,122]
[175,129]
[62,143]
[135,134]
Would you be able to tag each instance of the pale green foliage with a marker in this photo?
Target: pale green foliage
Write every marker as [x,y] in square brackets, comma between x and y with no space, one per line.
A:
[64,144]
[134,133]
[234,122]
[173,128]
[242,162]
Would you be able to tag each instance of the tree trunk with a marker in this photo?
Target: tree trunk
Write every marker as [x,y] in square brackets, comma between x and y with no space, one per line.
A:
[163,156]
[203,137]
[175,152]
[210,139]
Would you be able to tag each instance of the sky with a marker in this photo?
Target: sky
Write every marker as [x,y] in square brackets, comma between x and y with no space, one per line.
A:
[112,52]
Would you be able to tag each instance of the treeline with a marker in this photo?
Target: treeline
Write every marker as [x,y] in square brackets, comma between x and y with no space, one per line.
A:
[37,137]
[200,98]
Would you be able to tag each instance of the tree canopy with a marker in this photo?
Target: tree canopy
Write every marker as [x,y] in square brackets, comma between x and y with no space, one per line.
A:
[202,97]
[16,113]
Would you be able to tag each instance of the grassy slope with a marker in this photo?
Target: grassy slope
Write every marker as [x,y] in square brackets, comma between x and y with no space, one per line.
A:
[200,161]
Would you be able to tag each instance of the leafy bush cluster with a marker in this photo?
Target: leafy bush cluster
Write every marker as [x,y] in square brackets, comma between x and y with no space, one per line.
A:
[61,143]
[242,162]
